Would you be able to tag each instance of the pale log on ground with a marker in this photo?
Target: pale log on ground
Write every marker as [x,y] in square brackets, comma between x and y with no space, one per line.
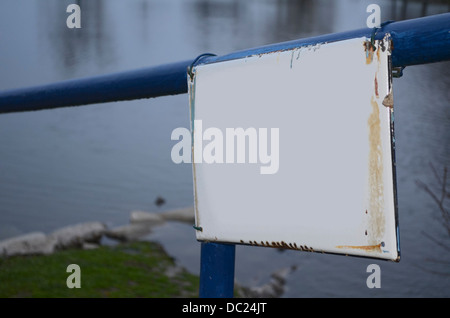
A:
[76,235]
[28,244]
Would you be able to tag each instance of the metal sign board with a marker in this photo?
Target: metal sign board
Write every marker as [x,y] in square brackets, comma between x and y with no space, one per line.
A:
[294,149]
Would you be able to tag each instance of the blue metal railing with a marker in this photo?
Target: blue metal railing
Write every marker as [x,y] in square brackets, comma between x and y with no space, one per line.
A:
[417,41]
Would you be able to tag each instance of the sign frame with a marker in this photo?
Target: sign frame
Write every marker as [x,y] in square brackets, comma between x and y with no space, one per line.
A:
[224,94]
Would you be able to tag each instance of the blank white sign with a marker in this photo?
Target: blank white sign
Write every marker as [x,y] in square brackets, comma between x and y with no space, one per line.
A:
[325,112]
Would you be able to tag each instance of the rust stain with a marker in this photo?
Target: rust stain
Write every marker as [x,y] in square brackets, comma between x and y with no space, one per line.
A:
[367,248]
[368,48]
[375,178]
[282,244]
[376,86]
[388,100]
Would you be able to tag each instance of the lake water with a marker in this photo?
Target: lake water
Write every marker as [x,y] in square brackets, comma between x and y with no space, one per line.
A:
[98,163]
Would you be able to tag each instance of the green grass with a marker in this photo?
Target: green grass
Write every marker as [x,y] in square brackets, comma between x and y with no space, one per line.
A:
[137,269]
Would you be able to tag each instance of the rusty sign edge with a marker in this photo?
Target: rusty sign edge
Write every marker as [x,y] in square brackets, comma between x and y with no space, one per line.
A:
[345,249]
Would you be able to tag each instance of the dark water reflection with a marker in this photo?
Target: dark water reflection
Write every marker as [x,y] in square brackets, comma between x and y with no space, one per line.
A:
[100,162]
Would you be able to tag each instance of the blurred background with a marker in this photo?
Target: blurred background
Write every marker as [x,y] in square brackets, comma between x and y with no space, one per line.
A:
[100,162]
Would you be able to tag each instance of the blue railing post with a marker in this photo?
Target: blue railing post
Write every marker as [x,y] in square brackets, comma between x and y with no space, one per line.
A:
[217,270]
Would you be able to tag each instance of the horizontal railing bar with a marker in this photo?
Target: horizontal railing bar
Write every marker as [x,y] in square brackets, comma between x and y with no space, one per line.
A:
[416,41]
[169,79]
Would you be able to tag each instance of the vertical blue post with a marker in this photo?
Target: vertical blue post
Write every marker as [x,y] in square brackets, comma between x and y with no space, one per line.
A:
[217,270]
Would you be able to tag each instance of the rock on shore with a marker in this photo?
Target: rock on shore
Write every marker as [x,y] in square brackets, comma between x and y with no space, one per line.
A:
[31,243]
[78,235]
[89,234]
[142,223]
